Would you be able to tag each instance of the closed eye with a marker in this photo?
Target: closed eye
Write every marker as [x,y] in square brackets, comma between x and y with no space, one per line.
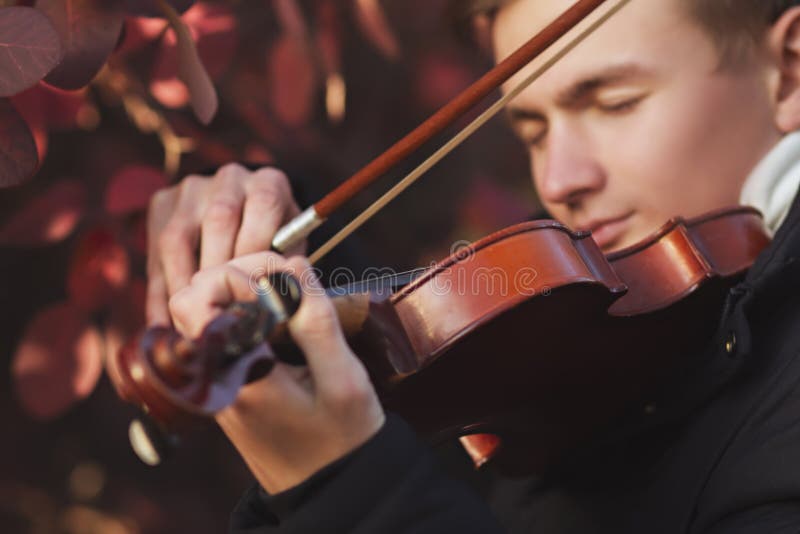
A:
[538,140]
[620,106]
[531,132]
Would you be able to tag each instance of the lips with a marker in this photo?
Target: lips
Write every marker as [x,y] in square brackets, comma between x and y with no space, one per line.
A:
[606,232]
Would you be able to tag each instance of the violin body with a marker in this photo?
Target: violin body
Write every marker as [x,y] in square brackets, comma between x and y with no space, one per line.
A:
[525,344]
[535,336]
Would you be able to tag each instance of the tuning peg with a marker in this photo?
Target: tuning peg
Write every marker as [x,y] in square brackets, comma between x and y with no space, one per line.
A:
[279,294]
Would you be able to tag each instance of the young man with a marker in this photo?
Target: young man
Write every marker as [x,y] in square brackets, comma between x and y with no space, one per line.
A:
[674,107]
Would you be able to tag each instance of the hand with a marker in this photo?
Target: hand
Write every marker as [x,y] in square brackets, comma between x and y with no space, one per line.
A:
[233,213]
[296,420]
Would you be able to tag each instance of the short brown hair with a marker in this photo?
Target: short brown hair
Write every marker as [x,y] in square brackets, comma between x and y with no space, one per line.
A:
[734,25]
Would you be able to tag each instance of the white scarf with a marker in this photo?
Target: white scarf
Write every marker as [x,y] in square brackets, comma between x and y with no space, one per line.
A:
[774,182]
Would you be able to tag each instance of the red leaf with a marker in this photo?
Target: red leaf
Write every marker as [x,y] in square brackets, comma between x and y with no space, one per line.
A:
[31,48]
[291,18]
[18,159]
[441,77]
[257,154]
[89,30]
[371,19]
[45,108]
[47,219]
[150,8]
[67,110]
[130,189]
[139,32]
[98,270]
[192,72]
[165,85]
[214,152]
[126,315]
[292,81]
[328,37]
[32,105]
[169,91]
[206,53]
[216,28]
[58,361]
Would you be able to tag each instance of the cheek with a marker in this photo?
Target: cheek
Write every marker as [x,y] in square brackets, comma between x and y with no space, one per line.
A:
[692,147]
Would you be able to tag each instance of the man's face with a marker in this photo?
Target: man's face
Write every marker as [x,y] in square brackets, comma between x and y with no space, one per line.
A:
[638,124]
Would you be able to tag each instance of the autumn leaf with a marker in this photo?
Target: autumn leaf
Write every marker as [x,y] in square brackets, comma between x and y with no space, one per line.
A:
[441,76]
[89,31]
[257,154]
[126,317]
[58,361]
[139,32]
[165,86]
[18,156]
[32,106]
[292,66]
[191,70]
[46,109]
[31,48]
[328,37]
[214,30]
[99,269]
[67,110]
[373,23]
[292,79]
[290,17]
[49,218]
[130,189]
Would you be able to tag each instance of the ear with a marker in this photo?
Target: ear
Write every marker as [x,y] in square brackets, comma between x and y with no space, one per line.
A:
[783,40]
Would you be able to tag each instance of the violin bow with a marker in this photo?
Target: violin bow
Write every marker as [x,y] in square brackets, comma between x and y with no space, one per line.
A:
[301,226]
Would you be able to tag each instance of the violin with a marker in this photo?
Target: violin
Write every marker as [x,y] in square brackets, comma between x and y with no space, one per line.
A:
[524,344]
[531,335]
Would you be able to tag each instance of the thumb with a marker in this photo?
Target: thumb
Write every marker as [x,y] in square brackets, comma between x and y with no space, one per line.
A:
[316,328]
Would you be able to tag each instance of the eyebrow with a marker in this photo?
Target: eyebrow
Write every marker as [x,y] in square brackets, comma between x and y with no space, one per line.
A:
[579,90]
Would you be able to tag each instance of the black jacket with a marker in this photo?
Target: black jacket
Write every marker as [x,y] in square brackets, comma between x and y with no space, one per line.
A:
[719,454]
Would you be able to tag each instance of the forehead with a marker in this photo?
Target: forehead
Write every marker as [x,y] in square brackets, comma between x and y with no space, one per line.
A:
[658,34]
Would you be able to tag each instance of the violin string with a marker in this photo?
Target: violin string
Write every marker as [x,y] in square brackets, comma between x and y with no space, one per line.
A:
[459,138]
[381,284]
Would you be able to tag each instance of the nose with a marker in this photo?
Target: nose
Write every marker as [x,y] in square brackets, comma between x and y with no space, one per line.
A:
[567,170]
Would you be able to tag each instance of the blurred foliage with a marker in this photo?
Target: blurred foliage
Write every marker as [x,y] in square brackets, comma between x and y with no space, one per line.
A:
[317,87]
